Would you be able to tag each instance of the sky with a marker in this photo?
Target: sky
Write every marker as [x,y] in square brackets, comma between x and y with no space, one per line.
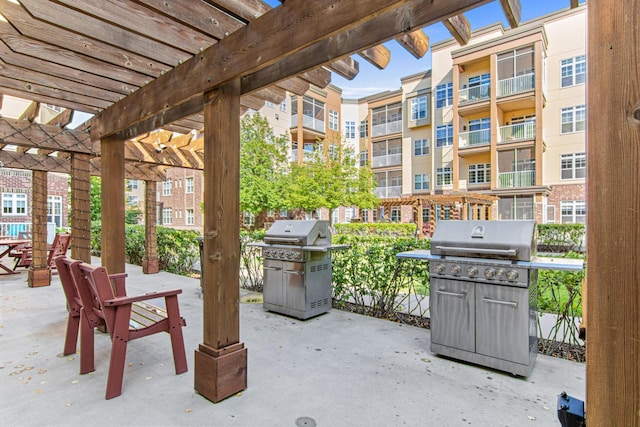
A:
[370,80]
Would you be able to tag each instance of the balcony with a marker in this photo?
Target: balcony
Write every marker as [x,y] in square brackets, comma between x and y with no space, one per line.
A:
[518,84]
[474,138]
[386,160]
[388,192]
[517,132]
[474,94]
[386,128]
[308,122]
[307,155]
[516,179]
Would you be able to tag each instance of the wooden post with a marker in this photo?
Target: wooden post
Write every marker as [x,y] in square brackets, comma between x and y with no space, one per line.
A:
[81,207]
[221,360]
[613,234]
[112,184]
[39,272]
[150,263]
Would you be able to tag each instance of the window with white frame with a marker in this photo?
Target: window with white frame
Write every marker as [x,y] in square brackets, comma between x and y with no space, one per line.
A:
[444,95]
[189,217]
[269,104]
[188,185]
[348,214]
[573,211]
[283,106]
[573,118]
[248,219]
[167,216]
[426,214]
[419,108]
[54,210]
[364,158]
[573,70]
[333,120]
[444,135]
[395,214]
[421,181]
[132,200]
[166,187]
[444,176]
[421,147]
[349,129]
[14,204]
[480,173]
[335,216]
[364,128]
[132,184]
[573,166]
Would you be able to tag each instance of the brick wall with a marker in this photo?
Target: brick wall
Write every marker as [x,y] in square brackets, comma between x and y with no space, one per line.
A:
[568,192]
[180,201]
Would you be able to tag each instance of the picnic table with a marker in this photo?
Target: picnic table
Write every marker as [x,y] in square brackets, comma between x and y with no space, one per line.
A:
[11,244]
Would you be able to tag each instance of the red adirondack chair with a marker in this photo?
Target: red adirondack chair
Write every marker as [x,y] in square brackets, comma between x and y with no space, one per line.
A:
[92,319]
[121,315]
[58,248]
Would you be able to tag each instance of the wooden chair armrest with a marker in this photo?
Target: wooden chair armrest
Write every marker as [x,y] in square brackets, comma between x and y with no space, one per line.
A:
[118,280]
[151,295]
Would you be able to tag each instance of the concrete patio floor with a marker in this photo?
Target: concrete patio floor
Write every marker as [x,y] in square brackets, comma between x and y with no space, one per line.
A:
[338,369]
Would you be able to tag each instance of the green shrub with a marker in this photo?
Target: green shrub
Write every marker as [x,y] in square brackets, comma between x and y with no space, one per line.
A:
[559,238]
[380,228]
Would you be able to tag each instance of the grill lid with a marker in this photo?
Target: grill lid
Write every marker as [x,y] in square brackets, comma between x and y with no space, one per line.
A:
[299,232]
[512,240]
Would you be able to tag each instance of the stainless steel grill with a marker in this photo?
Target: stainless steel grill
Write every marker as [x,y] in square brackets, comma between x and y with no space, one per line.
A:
[297,268]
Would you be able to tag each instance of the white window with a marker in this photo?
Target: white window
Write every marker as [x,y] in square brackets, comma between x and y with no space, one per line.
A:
[444,135]
[189,217]
[444,176]
[394,215]
[364,128]
[54,210]
[283,106]
[248,219]
[349,129]
[364,158]
[335,216]
[167,216]
[348,214]
[132,200]
[426,214]
[573,70]
[573,212]
[421,181]
[419,108]
[573,119]
[333,120]
[444,95]
[189,185]
[480,173]
[421,147]
[14,204]
[573,166]
[166,187]
[132,184]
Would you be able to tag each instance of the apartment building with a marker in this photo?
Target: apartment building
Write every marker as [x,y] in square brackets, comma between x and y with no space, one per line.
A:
[503,116]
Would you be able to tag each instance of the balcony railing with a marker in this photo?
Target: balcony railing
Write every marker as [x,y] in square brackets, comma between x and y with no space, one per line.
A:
[386,160]
[474,94]
[307,155]
[517,179]
[517,132]
[387,192]
[475,138]
[513,85]
[308,122]
[386,128]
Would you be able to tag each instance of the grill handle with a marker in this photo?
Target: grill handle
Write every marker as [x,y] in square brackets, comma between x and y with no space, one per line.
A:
[273,268]
[456,249]
[299,273]
[282,240]
[452,294]
[495,301]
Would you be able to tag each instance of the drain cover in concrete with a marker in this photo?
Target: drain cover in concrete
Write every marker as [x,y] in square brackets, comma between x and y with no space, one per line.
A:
[305,422]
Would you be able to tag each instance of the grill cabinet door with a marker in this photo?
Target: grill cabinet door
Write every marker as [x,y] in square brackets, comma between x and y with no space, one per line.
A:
[453,313]
[503,322]
[273,288]
[294,287]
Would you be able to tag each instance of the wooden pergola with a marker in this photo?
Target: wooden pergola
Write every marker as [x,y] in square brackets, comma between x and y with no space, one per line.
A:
[481,206]
[195,65]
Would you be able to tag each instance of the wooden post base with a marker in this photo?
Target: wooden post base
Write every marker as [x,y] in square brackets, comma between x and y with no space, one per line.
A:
[150,266]
[220,373]
[39,277]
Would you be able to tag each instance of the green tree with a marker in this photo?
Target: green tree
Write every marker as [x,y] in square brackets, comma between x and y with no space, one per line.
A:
[96,198]
[263,165]
[332,179]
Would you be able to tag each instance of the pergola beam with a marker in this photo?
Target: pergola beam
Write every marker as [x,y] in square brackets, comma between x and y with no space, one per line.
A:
[415,42]
[459,28]
[378,56]
[257,46]
[512,11]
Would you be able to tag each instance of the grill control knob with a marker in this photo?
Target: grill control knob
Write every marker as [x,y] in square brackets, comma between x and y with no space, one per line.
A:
[455,269]
[512,275]
[440,268]
[500,273]
[472,271]
[489,273]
